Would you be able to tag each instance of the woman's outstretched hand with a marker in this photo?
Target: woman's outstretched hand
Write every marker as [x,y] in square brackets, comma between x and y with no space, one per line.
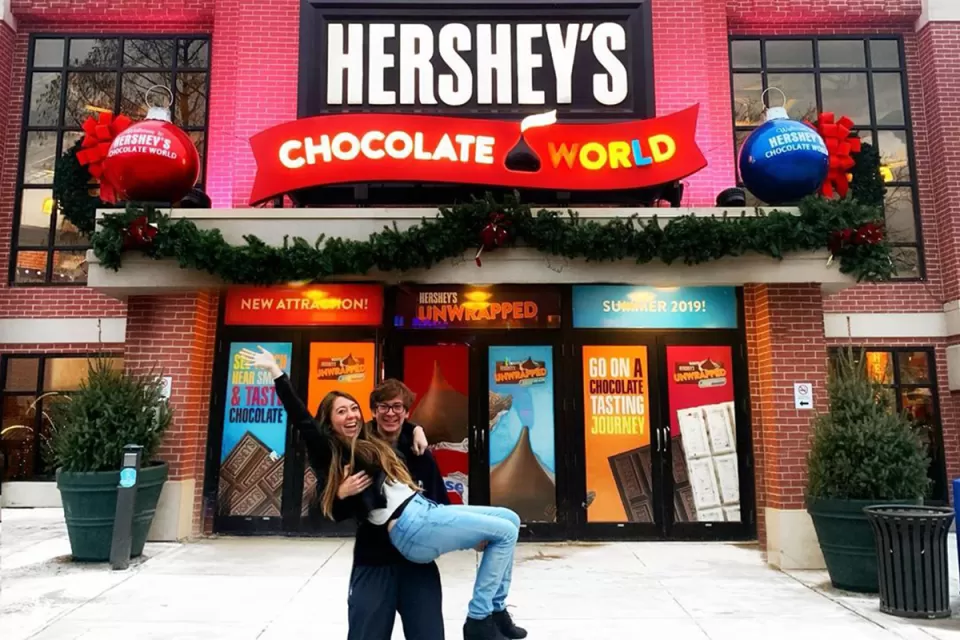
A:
[353,484]
[420,443]
[262,359]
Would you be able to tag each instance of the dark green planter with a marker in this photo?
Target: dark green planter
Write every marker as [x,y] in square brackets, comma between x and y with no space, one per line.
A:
[846,540]
[90,504]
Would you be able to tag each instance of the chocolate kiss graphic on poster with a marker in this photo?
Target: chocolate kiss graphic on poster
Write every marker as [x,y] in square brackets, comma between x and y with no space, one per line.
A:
[521,481]
[442,411]
[783,160]
[152,160]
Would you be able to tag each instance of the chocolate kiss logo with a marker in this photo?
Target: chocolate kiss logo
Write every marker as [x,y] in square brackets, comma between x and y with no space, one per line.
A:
[522,157]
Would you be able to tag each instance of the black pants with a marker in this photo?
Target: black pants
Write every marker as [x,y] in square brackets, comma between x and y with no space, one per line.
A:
[378,593]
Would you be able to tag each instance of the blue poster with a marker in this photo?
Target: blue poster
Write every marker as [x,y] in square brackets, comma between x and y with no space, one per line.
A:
[521,436]
[252,405]
[628,307]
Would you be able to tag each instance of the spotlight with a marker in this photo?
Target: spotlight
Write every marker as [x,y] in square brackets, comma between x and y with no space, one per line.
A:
[196,199]
[735,197]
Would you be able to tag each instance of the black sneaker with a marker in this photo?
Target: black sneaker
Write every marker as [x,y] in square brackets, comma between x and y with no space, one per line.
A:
[507,628]
[485,629]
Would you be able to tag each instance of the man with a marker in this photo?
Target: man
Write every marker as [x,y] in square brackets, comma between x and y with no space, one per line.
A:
[382,582]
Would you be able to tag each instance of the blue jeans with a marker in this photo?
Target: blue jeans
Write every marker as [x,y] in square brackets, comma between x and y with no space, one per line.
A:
[426,530]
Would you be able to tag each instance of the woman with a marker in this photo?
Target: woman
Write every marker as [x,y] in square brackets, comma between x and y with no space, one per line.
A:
[363,476]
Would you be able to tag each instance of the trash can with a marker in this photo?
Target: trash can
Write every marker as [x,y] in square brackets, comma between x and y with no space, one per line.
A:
[913,566]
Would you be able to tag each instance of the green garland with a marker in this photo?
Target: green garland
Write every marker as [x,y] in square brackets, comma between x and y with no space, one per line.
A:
[456,229]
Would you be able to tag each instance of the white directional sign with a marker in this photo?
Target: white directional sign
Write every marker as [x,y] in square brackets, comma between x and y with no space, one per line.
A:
[803,395]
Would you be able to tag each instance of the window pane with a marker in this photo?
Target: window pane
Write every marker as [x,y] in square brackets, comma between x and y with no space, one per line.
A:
[87,94]
[888,95]
[842,53]
[745,54]
[22,374]
[48,52]
[914,367]
[94,53]
[884,53]
[44,99]
[68,234]
[194,54]
[899,214]
[31,266]
[893,155]
[918,405]
[907,262]
[70,138]
[64,374]
[747,88]
[789,53]
[197,137]
[18,440]
[845,94]
[148,53]
[800,91]
[41,154]
[879,366]
[134,87]
[36,207]
[191,101]
[69,266]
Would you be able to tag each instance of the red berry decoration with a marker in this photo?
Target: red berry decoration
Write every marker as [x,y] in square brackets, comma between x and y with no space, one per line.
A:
[152,161]
[493,235]
[139,234]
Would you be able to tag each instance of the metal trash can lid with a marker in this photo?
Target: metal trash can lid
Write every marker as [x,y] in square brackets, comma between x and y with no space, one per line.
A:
[908,511]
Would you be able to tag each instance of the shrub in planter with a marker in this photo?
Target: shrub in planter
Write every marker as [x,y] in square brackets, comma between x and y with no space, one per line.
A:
[863,453]
[88,430]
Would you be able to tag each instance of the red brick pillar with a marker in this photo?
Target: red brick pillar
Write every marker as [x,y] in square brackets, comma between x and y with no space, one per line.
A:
[785,345]
[174,336]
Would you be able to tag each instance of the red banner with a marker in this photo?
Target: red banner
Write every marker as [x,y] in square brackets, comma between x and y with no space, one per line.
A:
[537,153]
[327,304]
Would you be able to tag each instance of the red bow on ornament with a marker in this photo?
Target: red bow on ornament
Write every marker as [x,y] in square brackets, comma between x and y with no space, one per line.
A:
[493,235]
[139,234]
[840,144]
[100,132]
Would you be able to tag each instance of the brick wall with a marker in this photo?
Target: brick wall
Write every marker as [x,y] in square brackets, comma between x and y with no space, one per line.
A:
[785,345]
[174,336]
[823,12]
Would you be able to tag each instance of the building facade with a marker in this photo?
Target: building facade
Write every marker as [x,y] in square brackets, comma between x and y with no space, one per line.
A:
[239,68]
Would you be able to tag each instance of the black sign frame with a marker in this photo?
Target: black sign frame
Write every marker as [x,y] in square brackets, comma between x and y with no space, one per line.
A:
[315,14]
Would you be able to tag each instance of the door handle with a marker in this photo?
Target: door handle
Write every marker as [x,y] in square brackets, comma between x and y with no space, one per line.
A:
[656,436]
[666,438]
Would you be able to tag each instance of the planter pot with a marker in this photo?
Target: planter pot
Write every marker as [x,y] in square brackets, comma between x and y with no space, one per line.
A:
[90,504]
[846,540]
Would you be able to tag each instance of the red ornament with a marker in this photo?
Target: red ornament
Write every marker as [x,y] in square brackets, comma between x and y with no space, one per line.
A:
[840,144]
[152,161]
[493,235]
[100,132]
[139,234]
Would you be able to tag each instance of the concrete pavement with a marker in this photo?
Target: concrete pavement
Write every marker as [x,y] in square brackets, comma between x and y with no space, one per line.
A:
[276,588]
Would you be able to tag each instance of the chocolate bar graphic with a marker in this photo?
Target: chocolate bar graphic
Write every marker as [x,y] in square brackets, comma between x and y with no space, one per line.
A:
[631,472]
[251,480]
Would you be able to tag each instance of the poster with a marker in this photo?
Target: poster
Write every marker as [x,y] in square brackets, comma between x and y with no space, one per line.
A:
[308,305]
[703,428]
[343,366]
[522,435]
[254,436]
[617,434]
[439,376]
[627,307]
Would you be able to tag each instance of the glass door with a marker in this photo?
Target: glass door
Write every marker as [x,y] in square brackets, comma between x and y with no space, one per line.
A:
[621,472]
[707,440]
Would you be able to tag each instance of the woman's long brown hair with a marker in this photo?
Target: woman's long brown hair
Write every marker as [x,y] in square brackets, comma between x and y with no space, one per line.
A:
[371,449]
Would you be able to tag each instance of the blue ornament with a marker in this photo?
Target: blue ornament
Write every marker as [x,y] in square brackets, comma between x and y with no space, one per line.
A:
[783,160]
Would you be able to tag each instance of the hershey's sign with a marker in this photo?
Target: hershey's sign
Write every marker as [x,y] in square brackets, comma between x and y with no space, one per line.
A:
[457,63]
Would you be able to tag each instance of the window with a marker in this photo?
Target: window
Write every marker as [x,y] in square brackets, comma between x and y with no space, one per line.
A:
[68,80]
[23,382]
[863,78]
[908,376]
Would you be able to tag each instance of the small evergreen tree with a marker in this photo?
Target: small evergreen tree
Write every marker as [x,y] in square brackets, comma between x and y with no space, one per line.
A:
[89,427]
[867,186]
[863,449]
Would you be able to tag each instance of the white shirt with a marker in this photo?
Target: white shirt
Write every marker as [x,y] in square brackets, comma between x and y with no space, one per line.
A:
[396,494]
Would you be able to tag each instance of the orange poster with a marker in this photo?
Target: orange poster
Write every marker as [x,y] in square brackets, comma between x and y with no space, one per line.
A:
[617,434]
[343,366]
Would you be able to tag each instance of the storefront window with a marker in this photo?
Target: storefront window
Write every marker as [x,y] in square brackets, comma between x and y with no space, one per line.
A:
[68,80]
[908,382]
[863,78]
[25,381]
